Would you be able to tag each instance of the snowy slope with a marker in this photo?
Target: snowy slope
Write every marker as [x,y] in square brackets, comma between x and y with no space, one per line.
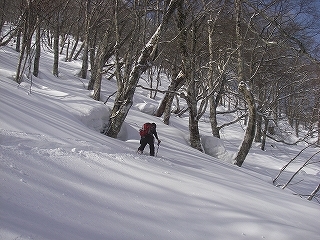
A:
[61,179]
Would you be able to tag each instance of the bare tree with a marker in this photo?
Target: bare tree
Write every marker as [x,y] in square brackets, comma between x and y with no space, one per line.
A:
[29,21]
[85,55]
[124,98]
[37,50]
[245,90]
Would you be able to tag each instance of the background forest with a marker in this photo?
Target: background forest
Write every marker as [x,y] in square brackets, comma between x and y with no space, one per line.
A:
[258,59]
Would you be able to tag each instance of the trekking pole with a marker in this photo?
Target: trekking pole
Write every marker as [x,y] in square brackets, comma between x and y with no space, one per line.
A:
[157,149]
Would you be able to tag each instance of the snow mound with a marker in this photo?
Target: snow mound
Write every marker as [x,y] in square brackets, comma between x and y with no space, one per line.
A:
[214,147]
[93,115]
[148,108]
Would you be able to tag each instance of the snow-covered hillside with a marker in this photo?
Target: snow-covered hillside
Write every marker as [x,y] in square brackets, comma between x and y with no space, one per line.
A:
[63,180]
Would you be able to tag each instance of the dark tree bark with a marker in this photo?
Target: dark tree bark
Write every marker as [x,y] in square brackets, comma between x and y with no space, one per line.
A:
[38,50]
[246,91]
[188,71]
[103,54]
[251,126]
[168,99]
[2,14]
[73,48]
[175,84]
[28,31]
[85,56]
[55,70]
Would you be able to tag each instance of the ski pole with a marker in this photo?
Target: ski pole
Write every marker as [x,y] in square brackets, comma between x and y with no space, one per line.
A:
[157,149]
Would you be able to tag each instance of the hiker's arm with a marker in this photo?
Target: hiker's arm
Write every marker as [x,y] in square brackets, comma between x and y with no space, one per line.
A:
[156,135]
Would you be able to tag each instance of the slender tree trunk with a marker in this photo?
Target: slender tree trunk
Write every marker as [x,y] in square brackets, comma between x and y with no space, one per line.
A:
[18,77]
[73,48]
[67,50]
[55,70]
[18,41]
[318,109]
[319,126]
[38,50]
[264,135]
[63,40]
[97,86]
[2,14]
[96,70]
[246,91]
[188,70]
[250,130]
[26,42]
[85,55]
[212,101]
[166,104]
[78,53]
[93,45]
[258,137]
[85,58]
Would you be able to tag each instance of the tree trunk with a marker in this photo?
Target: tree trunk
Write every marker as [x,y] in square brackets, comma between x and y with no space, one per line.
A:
[319,124]
[258,137]
[55,70]
[250,130]
[2,14]
[73,48]
[264,135]
[67,51]
[167,108]
[19,71]
[166,103]
[212,101]
[85,56]
[188,71]
[195,141]
[96,76]
[79,51]
[96,70]
[176,83]
[246,91]
[18,41]
[38,50]
[26,43]
[93,46]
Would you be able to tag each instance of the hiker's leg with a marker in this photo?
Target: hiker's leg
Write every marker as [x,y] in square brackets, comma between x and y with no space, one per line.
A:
[143,143]
[151,144]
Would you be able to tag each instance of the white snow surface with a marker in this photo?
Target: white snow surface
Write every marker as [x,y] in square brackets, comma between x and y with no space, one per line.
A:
[61,179]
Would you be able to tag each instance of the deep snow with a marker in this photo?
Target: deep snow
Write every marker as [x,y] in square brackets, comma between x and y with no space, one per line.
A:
[62,179]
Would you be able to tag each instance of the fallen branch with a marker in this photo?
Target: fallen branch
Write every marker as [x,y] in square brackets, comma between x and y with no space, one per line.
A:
[314,193]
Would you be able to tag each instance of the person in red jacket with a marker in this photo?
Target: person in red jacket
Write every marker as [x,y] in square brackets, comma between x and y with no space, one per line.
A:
[147,133]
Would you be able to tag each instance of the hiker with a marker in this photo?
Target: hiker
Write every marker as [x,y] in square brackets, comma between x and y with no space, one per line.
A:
[147,132]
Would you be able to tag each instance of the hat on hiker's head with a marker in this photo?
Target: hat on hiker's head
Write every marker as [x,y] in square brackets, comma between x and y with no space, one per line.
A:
[153,124]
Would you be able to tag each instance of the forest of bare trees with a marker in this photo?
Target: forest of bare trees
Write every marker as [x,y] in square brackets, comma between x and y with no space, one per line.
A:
[258,59]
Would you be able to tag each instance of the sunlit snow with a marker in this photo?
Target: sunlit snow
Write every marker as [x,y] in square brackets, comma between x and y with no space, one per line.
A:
[63,180]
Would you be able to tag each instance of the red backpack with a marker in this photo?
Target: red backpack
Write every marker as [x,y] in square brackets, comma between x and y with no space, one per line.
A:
[145,130]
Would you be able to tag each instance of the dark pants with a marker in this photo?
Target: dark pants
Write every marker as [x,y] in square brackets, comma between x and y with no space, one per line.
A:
[147,140]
